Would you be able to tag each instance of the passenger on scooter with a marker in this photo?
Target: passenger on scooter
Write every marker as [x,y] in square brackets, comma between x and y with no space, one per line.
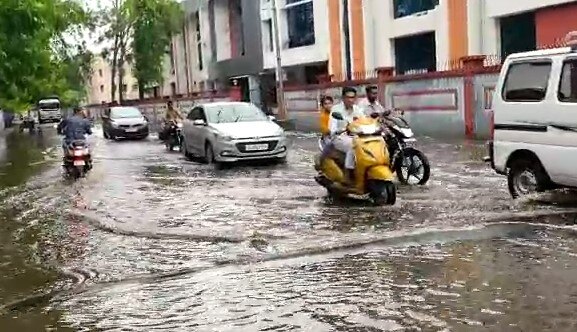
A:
[371,104]
[341,140]
[74,128]
[324,119]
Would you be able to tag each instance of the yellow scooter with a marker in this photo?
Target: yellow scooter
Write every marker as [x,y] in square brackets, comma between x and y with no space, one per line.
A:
[373,177]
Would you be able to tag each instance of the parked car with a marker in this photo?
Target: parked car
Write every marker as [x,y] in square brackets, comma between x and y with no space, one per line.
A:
[535,121]
[226,132]
[124,122]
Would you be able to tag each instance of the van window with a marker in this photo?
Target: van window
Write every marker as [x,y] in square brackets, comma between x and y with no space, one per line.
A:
[568,84]
[527,81]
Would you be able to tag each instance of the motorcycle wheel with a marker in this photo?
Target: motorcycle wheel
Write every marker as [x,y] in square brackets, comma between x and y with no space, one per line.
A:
[382,192]
[407,171]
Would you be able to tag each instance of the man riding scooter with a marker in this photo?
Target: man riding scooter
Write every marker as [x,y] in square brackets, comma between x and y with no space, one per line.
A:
[74,129]
[172,115]
[340,139]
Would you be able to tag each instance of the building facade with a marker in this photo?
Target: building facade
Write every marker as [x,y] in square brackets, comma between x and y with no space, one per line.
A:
[225,42]
[99,88]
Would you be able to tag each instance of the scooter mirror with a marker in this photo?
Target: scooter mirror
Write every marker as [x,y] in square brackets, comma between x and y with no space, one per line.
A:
[337,116]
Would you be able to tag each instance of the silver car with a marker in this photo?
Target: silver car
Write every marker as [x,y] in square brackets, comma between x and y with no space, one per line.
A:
[232,131]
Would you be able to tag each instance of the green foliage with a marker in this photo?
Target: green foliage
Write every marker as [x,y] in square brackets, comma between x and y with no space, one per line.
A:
[33,54]
[155,23]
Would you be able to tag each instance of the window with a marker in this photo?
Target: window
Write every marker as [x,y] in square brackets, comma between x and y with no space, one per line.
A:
[125,113]
[102,88]
[100,72]
[241,112]
[415,53]
[135,87]
[404,8]
[198,41]
[268,32]
[124,87]
[171,52]
[568,85]
[173,88]
[196,114]
[518,34]
[300,22]
[527,81]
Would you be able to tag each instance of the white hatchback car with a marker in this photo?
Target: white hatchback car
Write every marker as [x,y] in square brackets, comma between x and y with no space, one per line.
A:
[223,132]
[535,121]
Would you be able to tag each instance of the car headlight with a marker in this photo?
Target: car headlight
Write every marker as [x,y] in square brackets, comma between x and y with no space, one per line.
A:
[225,138]
[113,124]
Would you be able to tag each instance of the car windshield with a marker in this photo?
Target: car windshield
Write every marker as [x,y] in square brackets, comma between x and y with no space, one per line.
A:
[49,105]
[228,113]
[125,112]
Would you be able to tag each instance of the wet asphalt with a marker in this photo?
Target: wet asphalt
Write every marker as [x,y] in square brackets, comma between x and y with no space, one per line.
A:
[152,242]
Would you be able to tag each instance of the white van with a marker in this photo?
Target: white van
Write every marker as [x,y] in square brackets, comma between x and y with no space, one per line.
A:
[534,140]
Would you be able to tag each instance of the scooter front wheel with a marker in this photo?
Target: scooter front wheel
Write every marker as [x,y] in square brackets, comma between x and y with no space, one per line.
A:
[382,192]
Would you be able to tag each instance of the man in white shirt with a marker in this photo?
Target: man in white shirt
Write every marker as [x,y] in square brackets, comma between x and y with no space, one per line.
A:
[371,104]
[343,142]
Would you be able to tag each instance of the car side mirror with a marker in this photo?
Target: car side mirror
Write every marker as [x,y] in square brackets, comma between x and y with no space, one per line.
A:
[337,116]
[199,123]
[271,117]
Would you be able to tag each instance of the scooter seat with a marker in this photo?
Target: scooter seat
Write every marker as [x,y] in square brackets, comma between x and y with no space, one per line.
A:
[78,143]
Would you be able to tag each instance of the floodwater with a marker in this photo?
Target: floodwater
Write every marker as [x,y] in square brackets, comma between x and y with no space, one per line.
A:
[151,242]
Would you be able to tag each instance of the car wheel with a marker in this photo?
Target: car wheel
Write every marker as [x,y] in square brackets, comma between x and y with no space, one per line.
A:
[526,177]
[187,155]
[209,154]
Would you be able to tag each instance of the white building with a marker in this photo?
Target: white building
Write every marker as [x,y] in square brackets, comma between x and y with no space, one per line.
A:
[416,34]
[303,32]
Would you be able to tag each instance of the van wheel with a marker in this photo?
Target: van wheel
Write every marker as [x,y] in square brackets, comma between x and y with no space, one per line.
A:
[526,177]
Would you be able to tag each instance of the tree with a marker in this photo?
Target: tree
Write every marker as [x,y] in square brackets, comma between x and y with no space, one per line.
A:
[31,41]
[156,23]
[119,22]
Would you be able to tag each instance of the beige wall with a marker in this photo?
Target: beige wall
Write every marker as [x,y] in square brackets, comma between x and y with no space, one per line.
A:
[99,88]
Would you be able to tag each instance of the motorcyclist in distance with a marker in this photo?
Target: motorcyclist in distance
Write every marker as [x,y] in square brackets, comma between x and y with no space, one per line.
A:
[172,115]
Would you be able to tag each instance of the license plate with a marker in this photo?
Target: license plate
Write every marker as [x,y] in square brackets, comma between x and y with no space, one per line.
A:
[79,163]
[256,147]
[131,130]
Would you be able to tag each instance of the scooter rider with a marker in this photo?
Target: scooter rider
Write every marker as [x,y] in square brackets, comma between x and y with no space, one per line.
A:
[343,142]
[371,104]
[74,128]
[172,115]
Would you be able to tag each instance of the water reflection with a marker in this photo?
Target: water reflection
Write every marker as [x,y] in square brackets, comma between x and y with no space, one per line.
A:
[491,283]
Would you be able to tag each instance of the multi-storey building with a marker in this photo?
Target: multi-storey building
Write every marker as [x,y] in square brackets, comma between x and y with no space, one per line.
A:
[220,45]
[100,87]
[233,40]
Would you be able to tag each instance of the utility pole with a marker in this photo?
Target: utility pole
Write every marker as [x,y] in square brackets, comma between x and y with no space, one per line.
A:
[279,72]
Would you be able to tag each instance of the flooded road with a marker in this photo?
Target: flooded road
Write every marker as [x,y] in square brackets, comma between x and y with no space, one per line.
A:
[151,242]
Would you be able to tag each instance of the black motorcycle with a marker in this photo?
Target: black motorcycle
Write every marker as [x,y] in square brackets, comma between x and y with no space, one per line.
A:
[410,164]
[173,136]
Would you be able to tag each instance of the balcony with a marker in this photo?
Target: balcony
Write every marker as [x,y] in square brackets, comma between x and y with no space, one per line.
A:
[404,8]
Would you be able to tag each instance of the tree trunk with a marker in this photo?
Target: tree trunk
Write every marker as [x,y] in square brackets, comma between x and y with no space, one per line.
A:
[140,91]
[113,70]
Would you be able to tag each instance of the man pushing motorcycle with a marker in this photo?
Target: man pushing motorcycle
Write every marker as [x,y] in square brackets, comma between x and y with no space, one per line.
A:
[340,139]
